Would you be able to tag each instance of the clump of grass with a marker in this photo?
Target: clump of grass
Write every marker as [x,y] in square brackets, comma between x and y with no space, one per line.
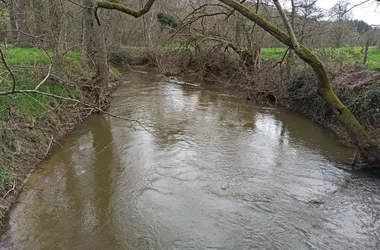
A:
[335,57]
[272,53]
[6,177]
[27,57]
[36,57]
[373,61]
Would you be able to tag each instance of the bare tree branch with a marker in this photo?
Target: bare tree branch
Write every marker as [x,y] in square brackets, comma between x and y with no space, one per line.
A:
[287,24]
[33,91]
[10,190]
[357,5]
[9,69]
[49,71]
[120,7]
[46,77]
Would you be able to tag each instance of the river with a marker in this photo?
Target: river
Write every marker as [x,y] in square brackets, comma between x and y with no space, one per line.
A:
[209,170]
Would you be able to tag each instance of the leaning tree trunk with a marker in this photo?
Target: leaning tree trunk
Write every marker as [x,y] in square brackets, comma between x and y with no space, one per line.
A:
[95,49]
[356,131]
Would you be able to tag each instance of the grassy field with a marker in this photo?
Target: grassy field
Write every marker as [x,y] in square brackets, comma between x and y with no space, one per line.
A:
[345,56]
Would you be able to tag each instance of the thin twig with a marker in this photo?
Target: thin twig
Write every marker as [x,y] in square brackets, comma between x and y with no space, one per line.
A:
[97,16]
[10,190]
[127,119]
[9,69]
[48,149]
[46,77]
[355,5]
[283,58]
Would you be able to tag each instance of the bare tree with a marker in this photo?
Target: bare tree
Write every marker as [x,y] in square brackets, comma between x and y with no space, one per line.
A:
[340,13]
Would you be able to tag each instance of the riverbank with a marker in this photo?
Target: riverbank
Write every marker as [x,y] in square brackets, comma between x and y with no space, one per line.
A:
[32,124]
[277,82]
[209,161]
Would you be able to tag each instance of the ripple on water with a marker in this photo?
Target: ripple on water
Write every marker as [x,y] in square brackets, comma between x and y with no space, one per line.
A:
[208,171]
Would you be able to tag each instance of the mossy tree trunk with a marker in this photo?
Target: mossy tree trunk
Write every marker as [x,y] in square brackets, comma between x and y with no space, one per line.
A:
[356,131]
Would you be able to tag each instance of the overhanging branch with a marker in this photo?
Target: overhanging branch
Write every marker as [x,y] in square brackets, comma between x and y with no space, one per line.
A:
[120,7]
[287,24]
[264,24]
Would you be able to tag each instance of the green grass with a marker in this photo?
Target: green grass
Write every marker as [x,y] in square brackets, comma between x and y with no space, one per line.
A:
[30,106]
[373,61]
[33,104]
[27,57]
[6,177]
[345,56]
[35,57]
[272,53]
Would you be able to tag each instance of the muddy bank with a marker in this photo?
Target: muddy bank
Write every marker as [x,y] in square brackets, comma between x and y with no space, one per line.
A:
[27,141]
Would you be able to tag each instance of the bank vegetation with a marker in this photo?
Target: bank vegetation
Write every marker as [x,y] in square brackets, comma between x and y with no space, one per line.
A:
[58,58]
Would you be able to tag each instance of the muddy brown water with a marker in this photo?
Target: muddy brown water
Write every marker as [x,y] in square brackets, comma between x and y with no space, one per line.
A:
[209,171]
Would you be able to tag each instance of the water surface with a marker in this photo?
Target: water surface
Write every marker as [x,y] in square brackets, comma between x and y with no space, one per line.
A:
[208,171]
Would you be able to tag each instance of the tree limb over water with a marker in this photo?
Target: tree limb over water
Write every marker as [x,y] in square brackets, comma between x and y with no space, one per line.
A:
[358,135]
[120,7]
